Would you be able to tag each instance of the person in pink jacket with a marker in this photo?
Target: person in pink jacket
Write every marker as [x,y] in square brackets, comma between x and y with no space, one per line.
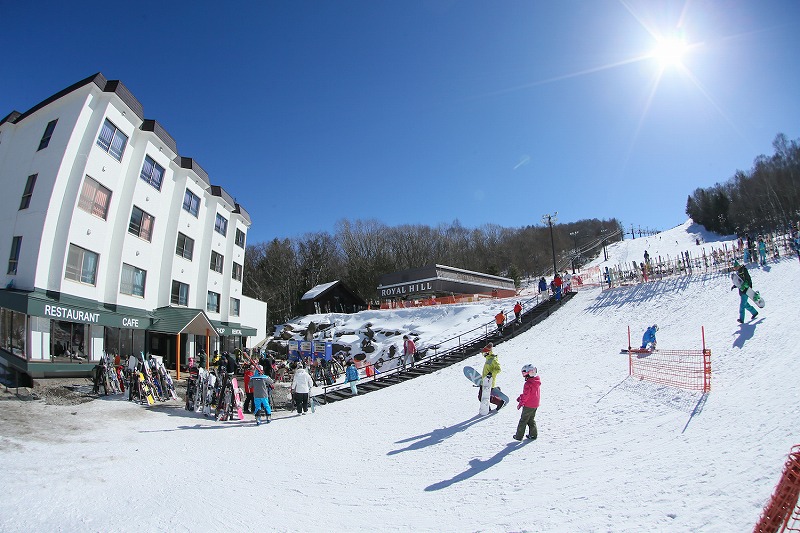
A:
[528,401]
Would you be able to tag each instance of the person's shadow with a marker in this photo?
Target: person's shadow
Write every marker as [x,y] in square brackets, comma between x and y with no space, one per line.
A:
[745,332]
[436,436]
[476,466]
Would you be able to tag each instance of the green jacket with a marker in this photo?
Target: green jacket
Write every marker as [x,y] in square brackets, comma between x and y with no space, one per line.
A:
[491,366]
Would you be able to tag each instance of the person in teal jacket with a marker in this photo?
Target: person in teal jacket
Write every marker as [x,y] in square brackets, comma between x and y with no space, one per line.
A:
[351,376]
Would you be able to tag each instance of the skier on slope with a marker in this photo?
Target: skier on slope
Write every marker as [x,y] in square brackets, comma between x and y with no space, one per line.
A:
[747,282]
[649,338]
[491,367]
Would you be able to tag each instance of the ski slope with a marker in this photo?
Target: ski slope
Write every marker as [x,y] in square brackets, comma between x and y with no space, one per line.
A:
[613,454]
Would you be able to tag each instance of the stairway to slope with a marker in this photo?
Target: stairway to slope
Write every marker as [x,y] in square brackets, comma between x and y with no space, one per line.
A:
[431,363]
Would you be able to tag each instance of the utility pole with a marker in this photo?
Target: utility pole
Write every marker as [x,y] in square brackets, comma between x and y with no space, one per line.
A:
[574,235]
[549,219]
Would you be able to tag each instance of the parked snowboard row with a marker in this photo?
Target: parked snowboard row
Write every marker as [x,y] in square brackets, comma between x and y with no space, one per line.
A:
[147,378]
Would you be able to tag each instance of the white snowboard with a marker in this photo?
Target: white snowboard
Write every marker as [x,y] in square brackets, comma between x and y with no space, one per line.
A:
[754,295]
[486,394]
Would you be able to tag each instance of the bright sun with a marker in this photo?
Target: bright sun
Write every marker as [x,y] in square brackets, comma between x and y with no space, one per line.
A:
[669,52]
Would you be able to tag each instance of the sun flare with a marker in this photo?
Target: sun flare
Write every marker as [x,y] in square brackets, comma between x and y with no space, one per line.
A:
[669,52]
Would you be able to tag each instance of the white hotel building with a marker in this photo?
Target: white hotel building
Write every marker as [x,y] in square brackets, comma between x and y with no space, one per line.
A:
[115,242]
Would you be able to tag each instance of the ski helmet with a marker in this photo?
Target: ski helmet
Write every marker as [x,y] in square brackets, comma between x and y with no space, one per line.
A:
[655,327]
[528,371]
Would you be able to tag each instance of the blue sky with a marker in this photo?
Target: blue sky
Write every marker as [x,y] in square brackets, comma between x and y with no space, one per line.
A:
[426,112]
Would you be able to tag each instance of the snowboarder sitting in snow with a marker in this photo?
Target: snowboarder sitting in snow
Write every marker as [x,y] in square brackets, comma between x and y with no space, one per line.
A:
[491,368]
[528,401]
[261,385]
[649,338]
[747,282]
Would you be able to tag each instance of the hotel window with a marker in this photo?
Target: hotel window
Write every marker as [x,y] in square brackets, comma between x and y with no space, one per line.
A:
[180,293]
[239,238]
[48,132]
[81,265]
[132,280]
[94,198]
[26,195]
[141,224]
[234,306]
[112,140]
[13,259]
[152,172]
[221,225]
[212,304]
[185,246]
[237,271]
[191,202]
[216,261]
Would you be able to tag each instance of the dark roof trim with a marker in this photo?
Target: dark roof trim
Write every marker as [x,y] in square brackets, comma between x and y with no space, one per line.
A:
[191,164]
[152,125]
[116,87]
[98,79]
[239,210]
[11,117]
[216,190]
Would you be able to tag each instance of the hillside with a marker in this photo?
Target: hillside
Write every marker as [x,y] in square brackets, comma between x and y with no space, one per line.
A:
[613,454]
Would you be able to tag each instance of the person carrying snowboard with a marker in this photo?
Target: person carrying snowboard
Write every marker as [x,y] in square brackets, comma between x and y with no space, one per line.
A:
[491,367]
[747,282]
[649,338]
[528,401]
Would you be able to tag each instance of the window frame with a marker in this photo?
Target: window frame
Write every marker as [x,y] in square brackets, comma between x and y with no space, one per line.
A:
[80,271]
[108,145]
[239,240]
[13,257]
[124,284]
[182,253]
[217,263]
[47,135]
[221,225]
[237,268]
[175,296]
[237,307]
[142,233]
[25,201]
[148,177]
[209,301]
[187,205]
[89,202]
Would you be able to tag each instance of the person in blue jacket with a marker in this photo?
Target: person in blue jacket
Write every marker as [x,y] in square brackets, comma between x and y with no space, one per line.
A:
[262,385]
[351,376]
[649,338]
[542,285]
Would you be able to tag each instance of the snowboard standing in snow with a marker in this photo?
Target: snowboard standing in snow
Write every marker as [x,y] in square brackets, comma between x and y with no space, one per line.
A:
[237,399]
[475,377]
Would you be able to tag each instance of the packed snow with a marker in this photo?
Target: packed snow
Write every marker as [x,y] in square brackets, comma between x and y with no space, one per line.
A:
[614,453]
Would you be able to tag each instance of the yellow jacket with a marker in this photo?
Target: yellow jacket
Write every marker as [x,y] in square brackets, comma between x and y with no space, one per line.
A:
[491,366]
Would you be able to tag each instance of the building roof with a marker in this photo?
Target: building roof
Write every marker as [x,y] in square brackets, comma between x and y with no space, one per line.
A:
[175,320]
[319,290]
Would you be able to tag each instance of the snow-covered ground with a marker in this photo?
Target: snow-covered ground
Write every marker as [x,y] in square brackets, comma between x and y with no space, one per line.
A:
[613,454]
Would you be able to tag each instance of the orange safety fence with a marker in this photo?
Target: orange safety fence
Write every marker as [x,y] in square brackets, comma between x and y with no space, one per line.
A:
[782,513]
[684,369]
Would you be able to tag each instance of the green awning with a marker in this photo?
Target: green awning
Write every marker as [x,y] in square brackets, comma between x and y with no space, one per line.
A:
[232,328]
[175,320]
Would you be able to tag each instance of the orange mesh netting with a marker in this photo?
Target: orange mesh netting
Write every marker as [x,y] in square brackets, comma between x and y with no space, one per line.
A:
[782,512]
[685,369]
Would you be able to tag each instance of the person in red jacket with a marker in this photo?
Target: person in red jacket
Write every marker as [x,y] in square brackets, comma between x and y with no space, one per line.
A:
[518,312]
[249,403]
[528,401]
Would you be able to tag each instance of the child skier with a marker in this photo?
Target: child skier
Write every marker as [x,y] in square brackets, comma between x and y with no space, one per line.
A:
[351,376]
[261,385]
[649,338]
[528,401]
